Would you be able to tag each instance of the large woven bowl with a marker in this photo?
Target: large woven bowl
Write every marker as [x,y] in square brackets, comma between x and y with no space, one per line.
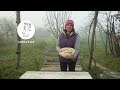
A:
[66,51]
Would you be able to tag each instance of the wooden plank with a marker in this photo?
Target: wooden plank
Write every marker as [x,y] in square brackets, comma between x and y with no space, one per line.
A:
[55,60]
[108,73]
[52,63]
[57,68]
[55,75]
[112,74]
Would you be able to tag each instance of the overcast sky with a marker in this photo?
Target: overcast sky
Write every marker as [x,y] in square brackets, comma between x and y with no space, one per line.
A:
[36,17]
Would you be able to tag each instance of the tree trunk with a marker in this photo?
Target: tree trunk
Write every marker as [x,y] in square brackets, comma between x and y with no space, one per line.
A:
[92,39]
[18,39]
[106,46]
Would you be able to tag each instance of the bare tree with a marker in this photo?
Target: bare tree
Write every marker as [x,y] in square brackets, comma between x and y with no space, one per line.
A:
[7,28]
[92,39]
[111,32]
[18,39]
[55,21]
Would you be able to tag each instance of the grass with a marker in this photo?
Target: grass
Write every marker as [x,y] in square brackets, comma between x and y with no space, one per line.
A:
[32,58]
[108,61]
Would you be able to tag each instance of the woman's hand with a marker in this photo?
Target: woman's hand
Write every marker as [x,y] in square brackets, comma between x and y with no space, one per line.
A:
[68,56]
[60,51]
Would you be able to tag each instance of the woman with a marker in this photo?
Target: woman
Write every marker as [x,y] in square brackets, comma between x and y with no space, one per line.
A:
[68,38]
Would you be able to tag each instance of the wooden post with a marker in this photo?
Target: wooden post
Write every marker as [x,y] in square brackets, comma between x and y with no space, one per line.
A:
[18,39]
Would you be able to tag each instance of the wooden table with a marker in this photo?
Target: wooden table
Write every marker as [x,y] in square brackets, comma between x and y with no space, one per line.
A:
[55,75]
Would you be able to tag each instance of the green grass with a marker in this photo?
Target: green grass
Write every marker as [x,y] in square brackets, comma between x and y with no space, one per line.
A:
[108,61]
[32,58]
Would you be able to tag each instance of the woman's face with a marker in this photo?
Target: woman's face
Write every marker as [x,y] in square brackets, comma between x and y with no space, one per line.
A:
[69,27]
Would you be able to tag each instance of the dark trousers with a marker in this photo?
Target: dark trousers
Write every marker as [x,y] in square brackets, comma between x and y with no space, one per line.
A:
[71,65]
